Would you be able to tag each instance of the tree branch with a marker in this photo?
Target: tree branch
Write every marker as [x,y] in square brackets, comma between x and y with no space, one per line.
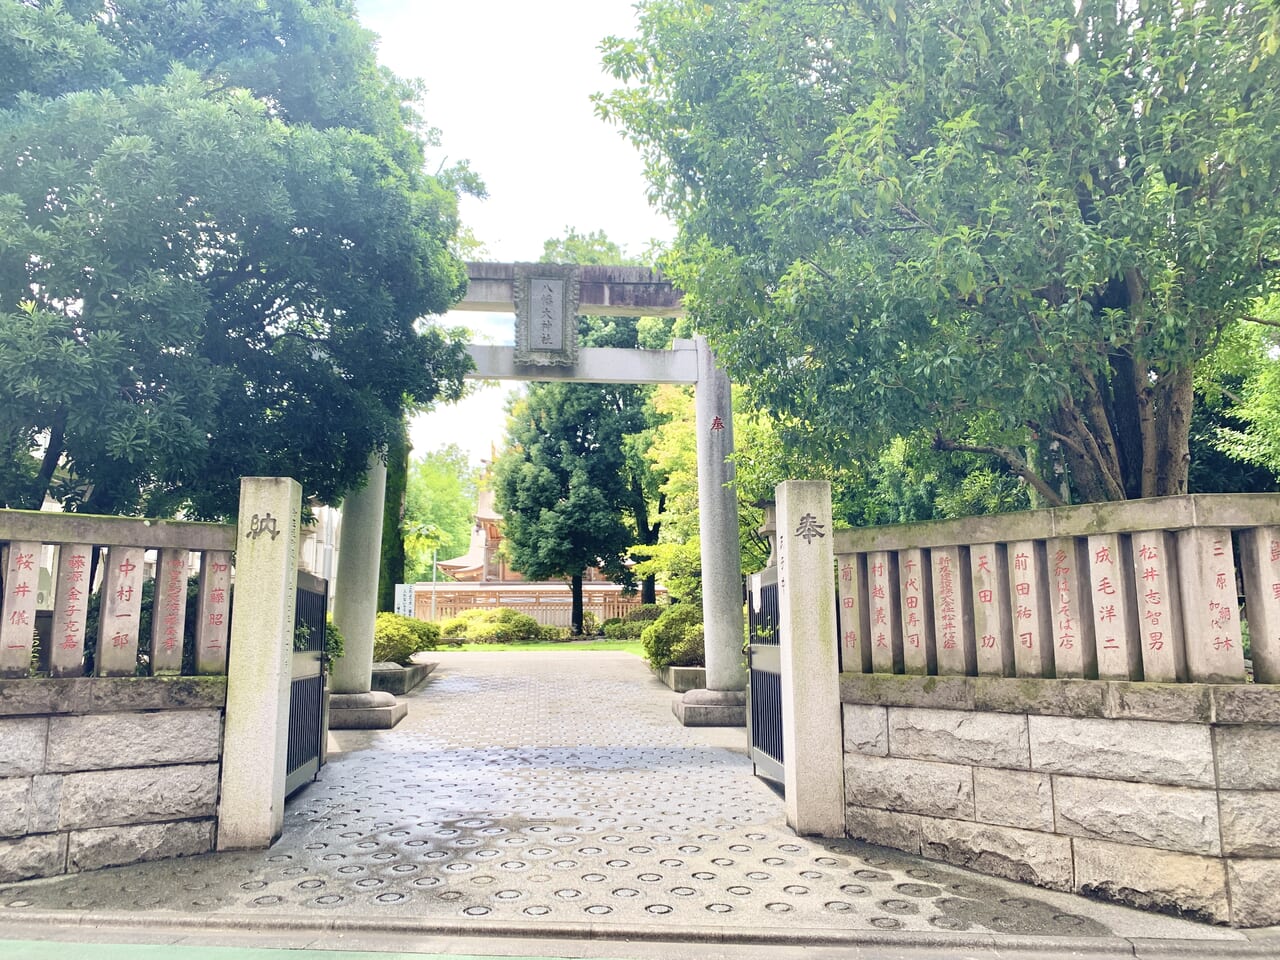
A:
[1010,458]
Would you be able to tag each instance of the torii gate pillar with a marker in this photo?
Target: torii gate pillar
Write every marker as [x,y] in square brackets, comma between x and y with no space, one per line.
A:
[723,702]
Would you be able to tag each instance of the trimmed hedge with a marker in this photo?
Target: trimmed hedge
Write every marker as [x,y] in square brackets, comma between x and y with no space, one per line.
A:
[661,637]
[396,638]
[499,625]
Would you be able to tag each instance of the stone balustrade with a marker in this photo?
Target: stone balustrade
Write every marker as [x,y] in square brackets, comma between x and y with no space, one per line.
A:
[1136,590]
[1055,696]
[112,556]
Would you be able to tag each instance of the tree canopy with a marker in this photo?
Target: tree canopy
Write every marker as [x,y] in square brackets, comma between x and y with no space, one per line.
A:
[440,501]
[1010,228]
[216,244]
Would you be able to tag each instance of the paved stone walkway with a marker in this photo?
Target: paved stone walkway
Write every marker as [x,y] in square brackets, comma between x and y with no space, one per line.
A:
[544,791]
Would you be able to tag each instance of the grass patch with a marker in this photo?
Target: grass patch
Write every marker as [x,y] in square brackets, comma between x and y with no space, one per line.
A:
[624,646]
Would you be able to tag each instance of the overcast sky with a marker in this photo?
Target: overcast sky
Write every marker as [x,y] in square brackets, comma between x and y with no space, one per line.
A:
[508,84]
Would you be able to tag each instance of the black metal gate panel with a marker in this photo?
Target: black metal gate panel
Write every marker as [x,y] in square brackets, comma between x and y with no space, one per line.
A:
[307,721]
[765,666]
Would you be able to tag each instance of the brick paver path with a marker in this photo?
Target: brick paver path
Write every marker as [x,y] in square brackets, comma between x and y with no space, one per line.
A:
[554,789]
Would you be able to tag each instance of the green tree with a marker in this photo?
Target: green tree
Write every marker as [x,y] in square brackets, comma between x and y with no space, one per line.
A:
[216,242]
[1013,226]
[560,484]
[440,501]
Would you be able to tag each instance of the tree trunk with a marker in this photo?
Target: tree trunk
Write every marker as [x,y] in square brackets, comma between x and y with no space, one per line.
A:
[1175,393]
[391,560]
[576,616]
[649,589]
[52,454]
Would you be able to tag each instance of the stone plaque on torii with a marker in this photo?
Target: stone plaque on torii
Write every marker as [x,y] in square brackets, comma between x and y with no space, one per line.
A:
[547,299]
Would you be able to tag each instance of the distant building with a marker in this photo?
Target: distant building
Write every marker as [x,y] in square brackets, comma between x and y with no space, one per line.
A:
[482,578]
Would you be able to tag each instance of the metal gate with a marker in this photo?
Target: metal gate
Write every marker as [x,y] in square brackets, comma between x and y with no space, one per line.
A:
[765,667]
[307,720]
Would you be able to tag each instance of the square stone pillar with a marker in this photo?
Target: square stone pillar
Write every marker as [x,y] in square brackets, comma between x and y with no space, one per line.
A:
[169,614]
[992,623]
[1115,614]
[885,607]
[953,612]
[256,739]
[1207,570]
[919,652]
[1075,652]
[855,618]
[1032,609]
[1260,563]
[120,608]
[18,626]
[71,604]
[812,742]
[1164,657]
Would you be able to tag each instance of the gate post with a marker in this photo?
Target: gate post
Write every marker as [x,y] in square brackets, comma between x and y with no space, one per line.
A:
[723,702]
[256,734]
[812,742]
[354,705]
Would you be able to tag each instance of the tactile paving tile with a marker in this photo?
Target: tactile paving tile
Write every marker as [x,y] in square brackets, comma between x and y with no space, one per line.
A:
[556,787]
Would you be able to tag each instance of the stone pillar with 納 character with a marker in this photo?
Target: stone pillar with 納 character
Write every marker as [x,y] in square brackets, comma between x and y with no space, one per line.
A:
[256,738]
[1207,571]
[724,701]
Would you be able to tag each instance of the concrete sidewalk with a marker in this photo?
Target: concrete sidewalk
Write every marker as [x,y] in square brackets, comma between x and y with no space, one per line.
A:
[536,798]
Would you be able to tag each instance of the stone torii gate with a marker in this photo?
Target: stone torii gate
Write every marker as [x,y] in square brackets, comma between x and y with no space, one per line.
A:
[546,300]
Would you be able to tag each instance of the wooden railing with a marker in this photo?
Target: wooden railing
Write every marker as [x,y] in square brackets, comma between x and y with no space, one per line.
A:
[1152,590]
[111,556]
[549,605]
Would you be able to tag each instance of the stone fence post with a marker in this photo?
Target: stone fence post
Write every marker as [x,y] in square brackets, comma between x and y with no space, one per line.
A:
[256,737]
[812,741]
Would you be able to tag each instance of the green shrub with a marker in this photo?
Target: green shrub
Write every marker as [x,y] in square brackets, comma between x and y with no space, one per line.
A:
[661,636]
[590,626]
[499,625]
[457,627]
[396,638]
[553,634]
[610,622]
[624,630]
[689,650]
[646,612]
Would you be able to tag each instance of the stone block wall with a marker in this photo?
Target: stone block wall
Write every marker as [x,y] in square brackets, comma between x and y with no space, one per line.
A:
[1162,796]
[99,772]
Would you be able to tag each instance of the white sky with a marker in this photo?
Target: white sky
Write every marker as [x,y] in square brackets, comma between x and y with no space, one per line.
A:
[509,85]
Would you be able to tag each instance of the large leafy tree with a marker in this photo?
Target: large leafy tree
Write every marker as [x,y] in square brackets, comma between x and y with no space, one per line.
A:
[216,242]
[560,485]
[1016,225]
